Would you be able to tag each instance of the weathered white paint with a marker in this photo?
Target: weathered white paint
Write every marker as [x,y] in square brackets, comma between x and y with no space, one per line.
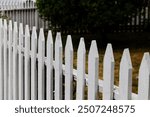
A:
[15,62]
[81,70]
[10,66]
[1,62]
[41,54]
[21,88]
[108,73]
[93,68]
[33,64]
[5,61]
[21,79]
[49,80]
[125,75]
[27,63]
[144,78]
[58,67]
[69,69]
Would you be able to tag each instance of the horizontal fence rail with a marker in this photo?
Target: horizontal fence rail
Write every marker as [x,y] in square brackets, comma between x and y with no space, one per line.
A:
[31,68]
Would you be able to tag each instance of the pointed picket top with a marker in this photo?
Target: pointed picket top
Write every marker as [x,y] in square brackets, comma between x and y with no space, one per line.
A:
[125,75]
[5,24]
[41,35]
[81,47]
[20,32]
[69,46]
[15,30]
[49,37]
[1,24]
[126,59]
[108,73]
[10,25]
[93,65]
[109,54]
[34,33]
[58,41]
[27,32]
[1,31]
[93,50]
[144,78]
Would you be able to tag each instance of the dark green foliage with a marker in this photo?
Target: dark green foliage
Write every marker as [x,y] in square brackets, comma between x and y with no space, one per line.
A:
[91,15]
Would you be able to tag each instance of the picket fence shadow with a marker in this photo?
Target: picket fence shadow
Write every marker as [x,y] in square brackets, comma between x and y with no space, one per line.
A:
[32,68]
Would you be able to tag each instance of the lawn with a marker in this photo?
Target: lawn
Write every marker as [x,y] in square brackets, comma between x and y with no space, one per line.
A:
[138,43]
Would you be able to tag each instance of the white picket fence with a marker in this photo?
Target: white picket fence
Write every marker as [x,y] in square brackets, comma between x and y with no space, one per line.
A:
[24,12]
[32,68]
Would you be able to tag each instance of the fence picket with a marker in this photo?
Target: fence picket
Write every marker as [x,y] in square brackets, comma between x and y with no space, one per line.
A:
[27,63]
[33,64]
[81,70]
[93,70]
[5,62]
[108,73]
[15,62]
[69,69]
[144,78]
[21,79]
[41,54]
[49,80]
[1,62]
[10,66]
[125,75]
[58,67]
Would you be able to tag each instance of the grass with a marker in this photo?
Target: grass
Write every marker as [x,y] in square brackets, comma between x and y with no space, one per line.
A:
[138,43]
[136,57]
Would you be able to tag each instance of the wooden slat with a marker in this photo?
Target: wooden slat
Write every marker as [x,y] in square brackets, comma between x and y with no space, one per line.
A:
[10,65]
[5,62]
[27,64]
[81,70]
[58,67]
[21,78]
[41,55]
[93,70]
[144,78]
[1,62]
[108,73]
[33,64]
[15,62]
[49,73]
[125,76]
[69,69]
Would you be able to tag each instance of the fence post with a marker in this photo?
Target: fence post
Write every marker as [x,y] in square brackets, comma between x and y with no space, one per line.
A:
[1,62]
[144,78]
[58,67]
[81,70]
[27,63]
[10,66]
[21,79]
[49,88]
[41,55]
[108,73]
[33,64]
[5,62]
[69,69]
[93,70]
[125,75]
